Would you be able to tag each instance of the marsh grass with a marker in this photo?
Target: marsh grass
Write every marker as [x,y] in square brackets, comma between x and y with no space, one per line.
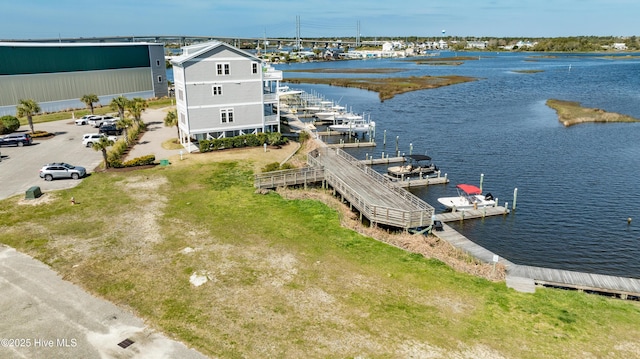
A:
[571,113]
[388,87]
[286,280]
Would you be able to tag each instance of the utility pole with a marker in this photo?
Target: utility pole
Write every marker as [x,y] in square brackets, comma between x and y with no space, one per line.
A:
[298,47]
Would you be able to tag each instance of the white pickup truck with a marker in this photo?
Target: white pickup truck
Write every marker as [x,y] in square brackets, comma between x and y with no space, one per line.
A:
[90,138]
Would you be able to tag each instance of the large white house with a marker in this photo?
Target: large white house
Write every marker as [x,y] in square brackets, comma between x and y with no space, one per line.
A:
[222,91]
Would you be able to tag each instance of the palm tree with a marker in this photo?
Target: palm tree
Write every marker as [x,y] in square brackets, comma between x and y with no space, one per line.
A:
[136,107]
[119,103]
[124,124]
[89,100]
[171,119]
[27,108]
[101,145]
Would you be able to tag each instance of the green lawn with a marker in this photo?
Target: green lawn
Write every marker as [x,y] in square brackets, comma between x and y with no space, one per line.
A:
[285,280]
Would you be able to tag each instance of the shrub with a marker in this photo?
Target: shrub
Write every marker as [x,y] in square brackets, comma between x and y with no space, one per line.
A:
[9,124]
[141,161]
[275,166]
[251,140]
[303,137]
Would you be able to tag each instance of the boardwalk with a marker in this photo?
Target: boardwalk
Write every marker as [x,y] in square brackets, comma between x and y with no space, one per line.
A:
[524,278]
[369,192]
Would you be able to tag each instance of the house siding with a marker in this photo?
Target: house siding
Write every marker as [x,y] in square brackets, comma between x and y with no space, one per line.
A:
[241,91]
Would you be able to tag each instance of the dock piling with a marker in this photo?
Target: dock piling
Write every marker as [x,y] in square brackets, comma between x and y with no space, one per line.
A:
[515,196]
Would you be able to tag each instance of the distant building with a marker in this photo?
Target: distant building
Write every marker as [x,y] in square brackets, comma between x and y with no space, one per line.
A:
[222,91]
[476,45]
[619,46]
[57,75]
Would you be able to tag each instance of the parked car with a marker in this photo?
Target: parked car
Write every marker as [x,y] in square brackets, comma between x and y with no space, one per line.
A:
[112,130]
[18,139]
[90,138]
[84,120]
[96,121]
[109,120]
[57,170]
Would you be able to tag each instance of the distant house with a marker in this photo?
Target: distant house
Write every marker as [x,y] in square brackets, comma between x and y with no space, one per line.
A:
[619,46]
[222,91]
[477,44]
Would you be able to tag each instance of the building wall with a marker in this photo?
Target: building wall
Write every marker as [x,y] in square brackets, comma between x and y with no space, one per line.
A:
[241,91]
[58,75]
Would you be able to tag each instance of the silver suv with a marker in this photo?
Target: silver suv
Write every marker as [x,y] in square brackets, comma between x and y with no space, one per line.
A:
[56,170]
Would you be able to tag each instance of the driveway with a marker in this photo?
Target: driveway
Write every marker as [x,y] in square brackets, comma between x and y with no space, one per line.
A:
[20,166]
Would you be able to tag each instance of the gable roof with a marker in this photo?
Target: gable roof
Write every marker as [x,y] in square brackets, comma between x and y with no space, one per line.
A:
[192,51]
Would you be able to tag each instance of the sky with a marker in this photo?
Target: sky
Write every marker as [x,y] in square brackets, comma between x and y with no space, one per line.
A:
[46,19]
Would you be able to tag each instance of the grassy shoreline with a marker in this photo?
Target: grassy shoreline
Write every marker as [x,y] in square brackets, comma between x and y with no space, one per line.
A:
[572,113]
[285,278]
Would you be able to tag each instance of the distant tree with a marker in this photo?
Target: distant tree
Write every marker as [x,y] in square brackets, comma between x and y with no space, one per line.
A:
[102,145]
[89,100]
[171,119]
[136,107]
[119,104]
[28,108]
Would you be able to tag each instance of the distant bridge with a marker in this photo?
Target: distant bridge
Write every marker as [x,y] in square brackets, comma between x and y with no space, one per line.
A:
[186,40]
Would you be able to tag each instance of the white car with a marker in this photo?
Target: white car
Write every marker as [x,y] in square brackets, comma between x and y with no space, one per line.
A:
[84,120]
[90,138]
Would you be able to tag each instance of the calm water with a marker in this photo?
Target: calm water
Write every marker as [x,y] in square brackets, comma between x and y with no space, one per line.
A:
[576,186]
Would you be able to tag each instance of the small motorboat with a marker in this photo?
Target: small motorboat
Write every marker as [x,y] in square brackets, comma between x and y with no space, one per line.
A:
[413,166]
[469,197]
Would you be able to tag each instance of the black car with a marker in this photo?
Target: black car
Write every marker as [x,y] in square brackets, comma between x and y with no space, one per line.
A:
[17,139]
[110,130]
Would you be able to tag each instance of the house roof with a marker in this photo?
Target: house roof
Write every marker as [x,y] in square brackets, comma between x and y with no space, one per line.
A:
[193,51]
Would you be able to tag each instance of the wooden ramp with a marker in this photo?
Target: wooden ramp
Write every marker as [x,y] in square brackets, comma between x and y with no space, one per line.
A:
[621,286]
[463,243]
[369,192]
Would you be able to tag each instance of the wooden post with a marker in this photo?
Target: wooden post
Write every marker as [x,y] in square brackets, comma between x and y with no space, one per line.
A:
[515,196]
[481,180]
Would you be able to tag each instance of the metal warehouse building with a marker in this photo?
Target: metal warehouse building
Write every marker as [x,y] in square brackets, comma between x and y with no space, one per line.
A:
[57,75]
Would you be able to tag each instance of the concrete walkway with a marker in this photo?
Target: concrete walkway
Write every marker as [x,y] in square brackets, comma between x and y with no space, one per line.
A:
[151,141]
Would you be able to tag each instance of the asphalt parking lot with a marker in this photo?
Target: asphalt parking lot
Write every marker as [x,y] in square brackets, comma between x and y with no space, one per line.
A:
[20,166]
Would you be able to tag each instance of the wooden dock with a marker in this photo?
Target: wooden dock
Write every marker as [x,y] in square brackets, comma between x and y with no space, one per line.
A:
[352,144]
[472,213]
[619,286]
[382,161]
[525,278]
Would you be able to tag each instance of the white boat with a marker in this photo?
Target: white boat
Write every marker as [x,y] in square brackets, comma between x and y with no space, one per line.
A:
[469,197]
[357,124]
[413,166]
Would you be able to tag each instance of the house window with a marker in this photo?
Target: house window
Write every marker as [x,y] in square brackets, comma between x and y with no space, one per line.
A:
[180,95]
[183,118]
[222,69]
[159,79]
[216,90]
[254,68]
[226,115]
